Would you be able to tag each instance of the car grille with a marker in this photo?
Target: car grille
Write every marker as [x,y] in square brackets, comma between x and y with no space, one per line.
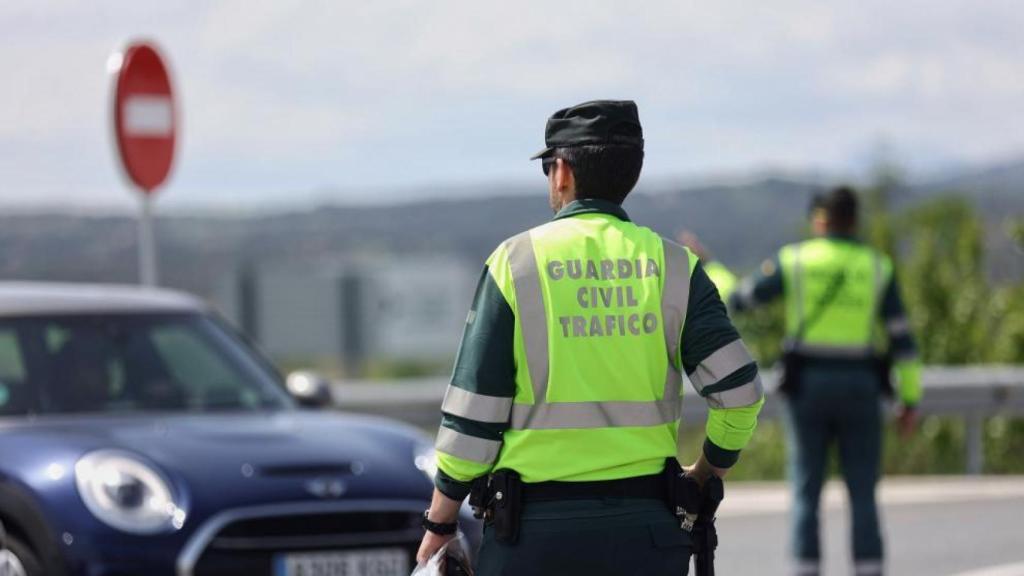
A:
[248,545]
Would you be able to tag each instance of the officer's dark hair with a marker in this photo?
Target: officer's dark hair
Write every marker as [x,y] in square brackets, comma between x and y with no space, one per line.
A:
[603,172]
[817,203]
[840,206]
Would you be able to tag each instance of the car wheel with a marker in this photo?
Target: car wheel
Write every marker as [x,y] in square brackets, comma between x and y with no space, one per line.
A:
[18,560]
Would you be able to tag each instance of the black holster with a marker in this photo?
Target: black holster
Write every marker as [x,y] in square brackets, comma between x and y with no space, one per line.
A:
[498,499]
[696,509]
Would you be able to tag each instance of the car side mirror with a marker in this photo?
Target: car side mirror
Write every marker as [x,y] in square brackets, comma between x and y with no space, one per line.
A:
[310,389]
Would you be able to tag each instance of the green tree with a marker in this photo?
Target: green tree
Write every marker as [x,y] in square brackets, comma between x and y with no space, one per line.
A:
[945,281]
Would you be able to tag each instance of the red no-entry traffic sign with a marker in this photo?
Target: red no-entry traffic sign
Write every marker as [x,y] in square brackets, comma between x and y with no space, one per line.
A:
[145,118]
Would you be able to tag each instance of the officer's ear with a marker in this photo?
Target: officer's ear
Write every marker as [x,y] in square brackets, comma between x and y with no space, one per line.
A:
[819,222]
[564,180]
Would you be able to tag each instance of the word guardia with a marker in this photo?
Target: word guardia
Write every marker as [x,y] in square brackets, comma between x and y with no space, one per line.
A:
[590,297]
[607,269]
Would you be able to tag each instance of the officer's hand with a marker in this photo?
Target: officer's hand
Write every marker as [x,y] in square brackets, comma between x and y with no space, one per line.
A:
[906,421]
[430,545]
[701,470]
[443,510]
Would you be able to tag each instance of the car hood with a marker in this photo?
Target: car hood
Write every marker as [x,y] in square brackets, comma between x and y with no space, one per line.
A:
[223,460]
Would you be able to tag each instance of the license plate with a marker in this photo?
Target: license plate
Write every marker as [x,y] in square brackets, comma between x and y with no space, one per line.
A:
[377,562]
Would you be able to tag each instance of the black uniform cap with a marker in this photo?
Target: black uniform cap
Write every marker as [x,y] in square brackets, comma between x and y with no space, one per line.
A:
[598,122]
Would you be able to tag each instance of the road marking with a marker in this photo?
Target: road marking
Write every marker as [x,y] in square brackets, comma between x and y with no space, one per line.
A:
[1004,570]
[753,499]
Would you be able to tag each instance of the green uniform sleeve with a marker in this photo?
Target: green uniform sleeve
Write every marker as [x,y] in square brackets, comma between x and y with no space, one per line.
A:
[478,402]
[728,432]
[722,371]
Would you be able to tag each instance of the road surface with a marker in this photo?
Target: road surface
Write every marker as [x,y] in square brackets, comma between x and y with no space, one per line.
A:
[959,526]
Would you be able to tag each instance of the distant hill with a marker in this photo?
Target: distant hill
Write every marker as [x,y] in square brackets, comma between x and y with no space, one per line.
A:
[741,223]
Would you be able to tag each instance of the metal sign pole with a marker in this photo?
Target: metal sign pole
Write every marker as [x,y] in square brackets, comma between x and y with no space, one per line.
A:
[147,245]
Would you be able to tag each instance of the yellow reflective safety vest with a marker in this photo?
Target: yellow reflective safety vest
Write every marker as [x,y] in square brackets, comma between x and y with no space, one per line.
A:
[845,327]
[599,307]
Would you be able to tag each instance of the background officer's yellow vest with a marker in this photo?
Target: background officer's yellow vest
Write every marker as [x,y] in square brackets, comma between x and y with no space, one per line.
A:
[846,326]
[599,306]
[723,278]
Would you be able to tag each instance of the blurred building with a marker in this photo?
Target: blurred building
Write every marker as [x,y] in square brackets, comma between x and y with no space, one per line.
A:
[348,314]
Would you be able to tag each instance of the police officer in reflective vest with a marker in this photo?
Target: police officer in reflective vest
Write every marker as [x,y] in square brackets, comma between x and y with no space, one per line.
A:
[845,328]
[566,393]
[723,278]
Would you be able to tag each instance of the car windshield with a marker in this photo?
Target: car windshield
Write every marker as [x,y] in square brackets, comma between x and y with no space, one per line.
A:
[126,363]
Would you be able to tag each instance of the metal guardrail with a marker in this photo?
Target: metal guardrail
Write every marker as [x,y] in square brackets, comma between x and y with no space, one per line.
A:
[971,392]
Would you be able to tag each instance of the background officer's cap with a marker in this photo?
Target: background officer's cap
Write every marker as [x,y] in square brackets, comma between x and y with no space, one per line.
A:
[593,123]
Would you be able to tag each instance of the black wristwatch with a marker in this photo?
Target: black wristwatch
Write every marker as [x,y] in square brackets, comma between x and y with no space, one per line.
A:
[439,528]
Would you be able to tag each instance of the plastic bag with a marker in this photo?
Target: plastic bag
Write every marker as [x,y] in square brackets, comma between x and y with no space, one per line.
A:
[450,560]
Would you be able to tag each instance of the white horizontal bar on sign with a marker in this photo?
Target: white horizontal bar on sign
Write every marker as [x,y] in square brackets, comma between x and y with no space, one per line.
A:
[148,115]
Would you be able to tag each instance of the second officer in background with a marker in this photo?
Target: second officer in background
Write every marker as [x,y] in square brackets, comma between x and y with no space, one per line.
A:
[845,329]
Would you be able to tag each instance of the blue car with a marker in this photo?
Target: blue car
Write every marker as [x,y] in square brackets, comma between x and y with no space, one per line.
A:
[139,434]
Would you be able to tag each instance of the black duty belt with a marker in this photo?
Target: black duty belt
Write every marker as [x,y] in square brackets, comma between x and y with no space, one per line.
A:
[636,488]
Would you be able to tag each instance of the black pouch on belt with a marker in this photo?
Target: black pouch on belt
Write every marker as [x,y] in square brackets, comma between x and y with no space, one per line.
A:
[673,473]
[507,505]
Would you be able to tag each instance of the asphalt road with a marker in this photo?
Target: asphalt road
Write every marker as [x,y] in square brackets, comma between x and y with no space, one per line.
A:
[933,527]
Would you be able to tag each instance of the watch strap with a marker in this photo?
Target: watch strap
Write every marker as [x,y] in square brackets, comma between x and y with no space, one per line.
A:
[439,528]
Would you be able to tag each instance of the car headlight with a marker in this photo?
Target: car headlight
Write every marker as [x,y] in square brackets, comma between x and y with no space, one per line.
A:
[126,494]
[425,458]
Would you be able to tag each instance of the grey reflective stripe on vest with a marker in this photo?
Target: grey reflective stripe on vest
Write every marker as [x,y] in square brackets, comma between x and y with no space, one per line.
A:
[798,288]
[876,260]
[738,397]
[611,414]
[530,303]
[479,407]
[675,298]
[876,310]
[467,447]
[721,363]
[542,415]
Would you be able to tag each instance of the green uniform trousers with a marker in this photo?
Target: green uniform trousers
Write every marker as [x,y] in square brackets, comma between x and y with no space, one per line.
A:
[609,537]
[836,405]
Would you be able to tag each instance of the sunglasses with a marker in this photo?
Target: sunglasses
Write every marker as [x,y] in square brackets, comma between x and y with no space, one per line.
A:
[546,164]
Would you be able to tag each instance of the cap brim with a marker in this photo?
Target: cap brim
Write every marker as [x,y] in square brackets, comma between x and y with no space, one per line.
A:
[545,152]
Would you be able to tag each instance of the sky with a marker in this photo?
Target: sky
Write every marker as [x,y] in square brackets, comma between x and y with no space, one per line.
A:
[288,104]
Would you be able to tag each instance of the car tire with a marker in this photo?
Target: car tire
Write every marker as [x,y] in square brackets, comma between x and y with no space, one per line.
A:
[19,560]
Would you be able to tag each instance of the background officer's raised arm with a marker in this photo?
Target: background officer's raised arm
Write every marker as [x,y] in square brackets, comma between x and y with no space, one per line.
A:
[722,371]
[759,289]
